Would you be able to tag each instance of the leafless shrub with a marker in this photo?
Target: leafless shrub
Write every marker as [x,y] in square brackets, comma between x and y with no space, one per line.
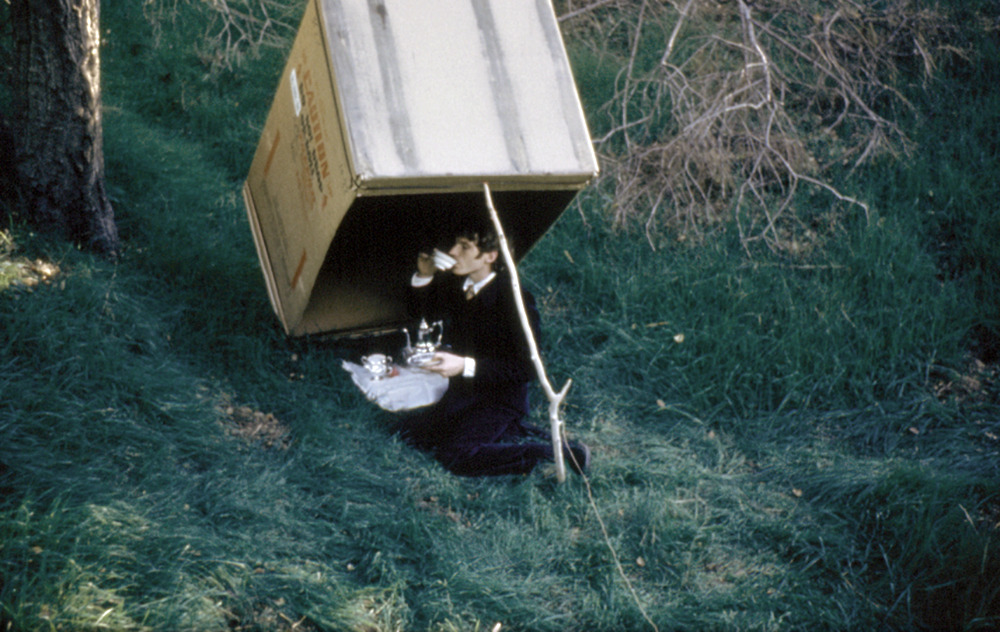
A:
[240,26]
[235,28]
[746,102]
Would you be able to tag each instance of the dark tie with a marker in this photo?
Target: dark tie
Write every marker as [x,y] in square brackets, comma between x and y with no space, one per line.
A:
[470,292]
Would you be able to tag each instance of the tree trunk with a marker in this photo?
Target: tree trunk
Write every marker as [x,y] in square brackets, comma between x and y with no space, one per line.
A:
[57,120]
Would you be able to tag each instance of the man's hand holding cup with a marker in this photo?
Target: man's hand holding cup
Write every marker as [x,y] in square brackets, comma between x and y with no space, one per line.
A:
[425,264]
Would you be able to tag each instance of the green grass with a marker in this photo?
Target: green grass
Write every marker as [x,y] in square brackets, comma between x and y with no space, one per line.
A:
[780,444]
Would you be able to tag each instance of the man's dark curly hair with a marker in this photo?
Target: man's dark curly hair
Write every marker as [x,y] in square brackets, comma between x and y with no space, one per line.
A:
[479,229]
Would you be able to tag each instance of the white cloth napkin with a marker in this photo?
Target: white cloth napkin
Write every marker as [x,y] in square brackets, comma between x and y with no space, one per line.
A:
[410,388]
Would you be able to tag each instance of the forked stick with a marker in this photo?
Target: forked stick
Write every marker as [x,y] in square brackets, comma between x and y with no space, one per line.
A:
[555,399]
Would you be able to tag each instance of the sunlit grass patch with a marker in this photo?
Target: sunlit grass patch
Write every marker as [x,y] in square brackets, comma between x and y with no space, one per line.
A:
[20,271]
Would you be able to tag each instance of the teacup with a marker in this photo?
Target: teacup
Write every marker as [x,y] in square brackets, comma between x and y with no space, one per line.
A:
[442,260]
[378,364]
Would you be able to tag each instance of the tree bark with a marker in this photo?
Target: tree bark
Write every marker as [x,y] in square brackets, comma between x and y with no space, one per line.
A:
[57,120]
[8,184]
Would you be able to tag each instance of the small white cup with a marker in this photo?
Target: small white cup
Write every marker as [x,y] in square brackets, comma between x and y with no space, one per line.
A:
[442,260]
[378,364]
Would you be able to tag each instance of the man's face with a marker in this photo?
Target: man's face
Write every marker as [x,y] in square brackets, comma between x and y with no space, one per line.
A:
[470,261]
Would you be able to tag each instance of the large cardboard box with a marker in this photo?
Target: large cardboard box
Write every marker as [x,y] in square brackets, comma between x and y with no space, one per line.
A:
[388,118]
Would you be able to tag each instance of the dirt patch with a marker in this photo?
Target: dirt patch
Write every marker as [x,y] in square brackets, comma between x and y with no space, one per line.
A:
[256,428]
[977,382]
[269,615]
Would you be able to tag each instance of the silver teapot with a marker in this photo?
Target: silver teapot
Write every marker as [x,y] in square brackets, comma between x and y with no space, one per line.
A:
[421,352]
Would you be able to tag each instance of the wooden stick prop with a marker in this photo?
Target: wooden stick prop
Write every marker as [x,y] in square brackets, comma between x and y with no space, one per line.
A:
[555,399]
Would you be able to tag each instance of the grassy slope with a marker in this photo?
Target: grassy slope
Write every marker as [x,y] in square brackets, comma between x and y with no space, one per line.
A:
[784,466]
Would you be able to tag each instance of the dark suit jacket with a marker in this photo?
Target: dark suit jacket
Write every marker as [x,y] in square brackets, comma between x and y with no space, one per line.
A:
[488,329]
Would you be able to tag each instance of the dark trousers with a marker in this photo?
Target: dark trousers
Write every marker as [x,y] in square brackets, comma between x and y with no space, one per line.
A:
[477,439]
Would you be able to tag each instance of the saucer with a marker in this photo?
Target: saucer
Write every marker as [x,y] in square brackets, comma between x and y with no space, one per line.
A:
[422,359]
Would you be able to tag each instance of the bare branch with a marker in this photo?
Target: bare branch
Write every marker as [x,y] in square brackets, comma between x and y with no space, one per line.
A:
[674,32]
[582,10]
[555,399]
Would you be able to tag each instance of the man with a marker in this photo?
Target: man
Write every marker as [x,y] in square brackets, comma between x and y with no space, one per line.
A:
[476,429]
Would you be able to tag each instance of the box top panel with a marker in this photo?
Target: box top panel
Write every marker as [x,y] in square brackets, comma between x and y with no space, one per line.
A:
[456,88]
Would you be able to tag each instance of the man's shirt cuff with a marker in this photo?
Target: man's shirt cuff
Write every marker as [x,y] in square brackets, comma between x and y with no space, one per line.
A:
[420,281]
[470,368]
